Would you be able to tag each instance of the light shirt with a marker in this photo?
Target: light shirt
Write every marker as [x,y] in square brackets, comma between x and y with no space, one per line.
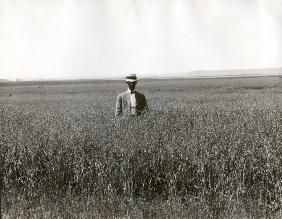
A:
[132,102]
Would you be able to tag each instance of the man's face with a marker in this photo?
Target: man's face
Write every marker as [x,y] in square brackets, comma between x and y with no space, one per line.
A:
[131,85]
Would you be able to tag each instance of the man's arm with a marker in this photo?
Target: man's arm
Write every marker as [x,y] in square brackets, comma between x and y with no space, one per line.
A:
[118,111]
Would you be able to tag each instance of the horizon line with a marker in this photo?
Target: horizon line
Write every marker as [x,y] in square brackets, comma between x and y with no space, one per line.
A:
[160,75]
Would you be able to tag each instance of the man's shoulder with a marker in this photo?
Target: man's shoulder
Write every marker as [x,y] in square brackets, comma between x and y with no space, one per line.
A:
[122,93]
[140,94]
[126,92]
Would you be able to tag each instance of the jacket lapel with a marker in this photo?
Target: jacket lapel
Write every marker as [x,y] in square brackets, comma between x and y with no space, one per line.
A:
[127,100]
[137,98]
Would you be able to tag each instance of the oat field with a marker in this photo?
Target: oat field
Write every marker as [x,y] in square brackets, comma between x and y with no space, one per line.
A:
[208,148]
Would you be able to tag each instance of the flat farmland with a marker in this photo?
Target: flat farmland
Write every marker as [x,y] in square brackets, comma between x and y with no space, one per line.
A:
[207,148]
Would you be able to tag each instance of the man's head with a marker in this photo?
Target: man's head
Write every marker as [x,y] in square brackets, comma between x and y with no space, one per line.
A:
[131,81]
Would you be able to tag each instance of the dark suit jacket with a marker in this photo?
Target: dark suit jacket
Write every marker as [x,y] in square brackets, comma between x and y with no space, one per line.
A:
[123,103]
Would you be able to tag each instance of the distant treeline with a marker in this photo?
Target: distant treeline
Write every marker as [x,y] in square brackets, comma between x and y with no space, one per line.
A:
[54,82]
[84,81]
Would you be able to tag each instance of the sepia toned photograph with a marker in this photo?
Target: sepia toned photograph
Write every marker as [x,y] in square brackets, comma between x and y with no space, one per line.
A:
[141,109]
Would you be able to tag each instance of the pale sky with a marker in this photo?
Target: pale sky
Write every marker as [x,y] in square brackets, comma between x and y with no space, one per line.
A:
[58,39]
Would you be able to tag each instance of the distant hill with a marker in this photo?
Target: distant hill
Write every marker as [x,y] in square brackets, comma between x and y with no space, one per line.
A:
[232,73]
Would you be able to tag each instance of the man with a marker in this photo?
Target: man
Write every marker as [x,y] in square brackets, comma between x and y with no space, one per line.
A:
[130,102]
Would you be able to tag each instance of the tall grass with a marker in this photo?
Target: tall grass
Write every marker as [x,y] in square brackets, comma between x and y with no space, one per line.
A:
[199,152]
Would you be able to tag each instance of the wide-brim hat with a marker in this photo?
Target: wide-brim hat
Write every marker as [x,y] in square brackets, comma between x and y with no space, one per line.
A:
[131,78]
